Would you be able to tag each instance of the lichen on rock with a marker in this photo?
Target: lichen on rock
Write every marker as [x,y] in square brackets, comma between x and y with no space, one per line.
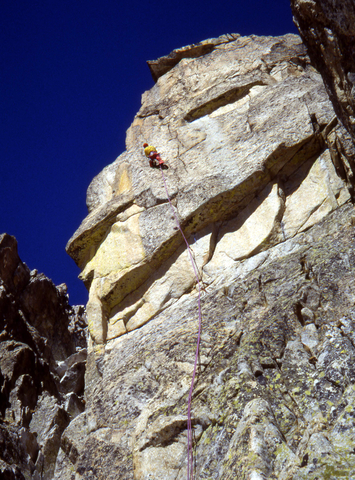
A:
[256,175]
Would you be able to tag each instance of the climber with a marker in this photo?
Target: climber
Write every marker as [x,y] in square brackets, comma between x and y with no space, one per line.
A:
[155,160]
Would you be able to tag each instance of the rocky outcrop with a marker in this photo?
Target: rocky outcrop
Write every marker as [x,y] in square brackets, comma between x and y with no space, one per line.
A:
[327,28]
[234,125]
[42,366]
[164,64]
[257,175]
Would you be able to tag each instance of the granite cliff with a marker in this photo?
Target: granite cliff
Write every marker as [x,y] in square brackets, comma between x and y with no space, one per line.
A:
[260,150]
[259,176]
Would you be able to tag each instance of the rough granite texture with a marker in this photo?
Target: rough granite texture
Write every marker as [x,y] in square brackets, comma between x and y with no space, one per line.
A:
[276,383]
[261,177]
[42,365]
[328,29]
[255,112]
[258,177]
[162,65]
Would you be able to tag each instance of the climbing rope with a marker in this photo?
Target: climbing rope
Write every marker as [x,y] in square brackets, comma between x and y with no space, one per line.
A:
[190,453]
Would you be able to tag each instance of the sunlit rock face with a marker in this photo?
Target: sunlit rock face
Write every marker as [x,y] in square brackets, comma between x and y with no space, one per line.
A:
[256,161]
[235,127]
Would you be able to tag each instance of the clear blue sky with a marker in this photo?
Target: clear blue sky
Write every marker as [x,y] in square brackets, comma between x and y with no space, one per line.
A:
[71,77]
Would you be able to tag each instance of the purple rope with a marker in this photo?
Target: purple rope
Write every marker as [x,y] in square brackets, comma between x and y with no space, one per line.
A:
[190,453]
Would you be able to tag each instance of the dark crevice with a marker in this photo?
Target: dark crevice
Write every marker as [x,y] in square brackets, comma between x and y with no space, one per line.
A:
[313,360]
[167,435]
[306,268]
[298,311]
[304,460]
[260,286]
[148,114]
[213,241]
[226,98]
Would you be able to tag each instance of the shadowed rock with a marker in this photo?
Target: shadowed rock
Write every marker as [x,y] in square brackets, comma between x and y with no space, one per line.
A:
[39,331]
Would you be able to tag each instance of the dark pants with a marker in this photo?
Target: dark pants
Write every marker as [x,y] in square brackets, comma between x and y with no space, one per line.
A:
[155,159]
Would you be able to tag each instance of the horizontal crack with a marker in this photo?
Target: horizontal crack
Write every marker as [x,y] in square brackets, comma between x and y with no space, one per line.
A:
[226,98]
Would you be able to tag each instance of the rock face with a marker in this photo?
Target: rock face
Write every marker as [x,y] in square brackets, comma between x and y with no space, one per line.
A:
[257,175]
[234,125]
[42,363]
[164,64]
[328,30]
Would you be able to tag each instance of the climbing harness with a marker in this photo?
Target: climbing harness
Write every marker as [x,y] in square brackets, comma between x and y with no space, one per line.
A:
[190,454]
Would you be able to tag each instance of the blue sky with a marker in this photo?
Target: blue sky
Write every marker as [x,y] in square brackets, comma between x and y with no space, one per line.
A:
[72,73]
